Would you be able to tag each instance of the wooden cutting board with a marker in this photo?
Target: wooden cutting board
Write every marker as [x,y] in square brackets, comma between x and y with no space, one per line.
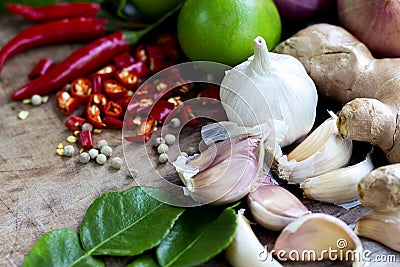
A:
[41,191]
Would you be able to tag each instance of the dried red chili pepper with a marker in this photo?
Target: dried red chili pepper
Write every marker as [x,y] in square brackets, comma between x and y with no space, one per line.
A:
[127,78]
[144,131]
[81,89]
[41,68]
[106,72]
[161,110]
[66,103]
[113,109]
[113,123]
[85,139]
[114,90]
[54,11]
[74,123]
[54,32]
[123,60]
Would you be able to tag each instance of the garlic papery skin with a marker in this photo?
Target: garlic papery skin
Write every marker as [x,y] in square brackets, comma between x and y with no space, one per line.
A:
[270,86]
[225,178]
[383,227]
[274,207]
[246,250]
[322,151]
[312,236]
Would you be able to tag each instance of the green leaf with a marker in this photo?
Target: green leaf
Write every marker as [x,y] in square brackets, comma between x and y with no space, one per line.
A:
[144,260]
[126,223]
[59,248]
[198,235]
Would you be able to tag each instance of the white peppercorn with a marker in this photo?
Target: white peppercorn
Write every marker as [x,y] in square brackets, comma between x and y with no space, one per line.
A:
[170,139]
[87,127]
[93,153]
[116,163]
[101,159]
[36,100]
[84,157]
[163,158]
[163,148]
[106,150]
[69,151]
[175,123]
[133,173]
[101,143]
[191,151]
[159,141]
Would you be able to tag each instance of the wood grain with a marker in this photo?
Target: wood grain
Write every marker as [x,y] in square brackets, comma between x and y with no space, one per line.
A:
[40,191]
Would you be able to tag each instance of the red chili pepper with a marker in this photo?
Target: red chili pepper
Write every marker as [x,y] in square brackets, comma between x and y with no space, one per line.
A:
[97,84]
[66,103]
[139,68]
[99,100]
[114,90]
[157,58]
[209,92]
[41,68]
[94,109]
[144,131]
[170,45]
[74,123]
[113,123]
[106,72]
[188,117]
[141,54]
[123,60]
[54,11]
[161,110]
[85,139]
[113,109]
[127,78]
[124,102]
[54,32]
[81,89]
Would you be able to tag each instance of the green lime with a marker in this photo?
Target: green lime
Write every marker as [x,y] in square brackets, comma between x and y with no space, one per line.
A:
[154,9]
[223,30]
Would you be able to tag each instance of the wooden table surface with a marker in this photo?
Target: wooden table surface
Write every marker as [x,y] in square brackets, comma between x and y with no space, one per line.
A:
[40,191]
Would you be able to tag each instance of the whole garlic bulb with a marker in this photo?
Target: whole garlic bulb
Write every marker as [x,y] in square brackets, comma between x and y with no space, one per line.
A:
[270,86]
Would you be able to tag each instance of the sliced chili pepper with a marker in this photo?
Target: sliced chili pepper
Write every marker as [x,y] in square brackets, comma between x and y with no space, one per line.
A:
[54,32]
[144,131]
[127,78]
[161,110]
[124,102]
[97,84]
[188,117]
[113,123]
[114,90]
[85,139]
[170,45]
[113,109]
[81,89]
[66,103]
[209,92]
[54,11]
[106,72]
[157,58]
[123,60]
[74,123]
[93,115]
[141,54]
[41,68]
[99,100]
[139,68]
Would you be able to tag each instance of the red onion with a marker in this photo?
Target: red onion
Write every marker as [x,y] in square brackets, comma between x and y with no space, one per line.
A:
[296,10]
[376,23]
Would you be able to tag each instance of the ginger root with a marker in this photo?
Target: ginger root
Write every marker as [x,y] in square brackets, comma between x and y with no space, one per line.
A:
[344,69]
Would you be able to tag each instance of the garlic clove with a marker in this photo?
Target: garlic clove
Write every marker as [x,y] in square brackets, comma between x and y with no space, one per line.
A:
[312,236]
[338,186]
[381,227]
[246,250]
[380,189]
[324,150]
[227,181]
[274,207]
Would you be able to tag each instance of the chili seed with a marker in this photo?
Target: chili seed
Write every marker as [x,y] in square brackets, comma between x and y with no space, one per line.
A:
[101,159]
[45,99]
[26,101]
[97,131]
[170,139]
[116,163]
[76,132]
[175,123]
[60,151]
[84,157]
[23,115]
[87,126]
[60,146]
[101,143]
[162,148]
[36,100]
[72,139]
[163,158]
[106,150]
[69,151]
[93,153]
